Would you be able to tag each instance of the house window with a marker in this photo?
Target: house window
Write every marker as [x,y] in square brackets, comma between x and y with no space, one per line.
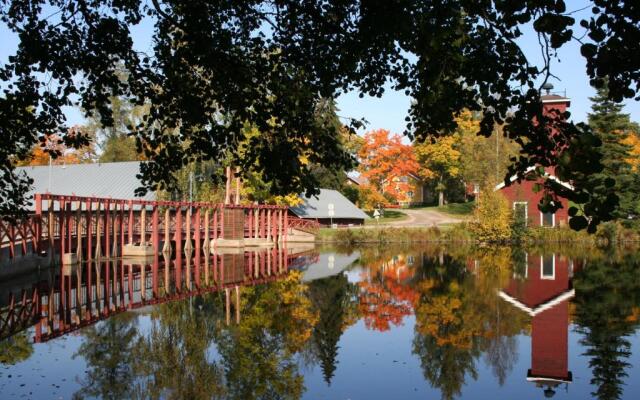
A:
[410,194]
[548,219]
[410,260]
[520,211]
[548,266]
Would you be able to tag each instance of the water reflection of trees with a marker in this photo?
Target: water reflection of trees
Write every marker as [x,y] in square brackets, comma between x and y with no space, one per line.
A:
[607,301]
[336,301]
[258,354]
[172,359]
[190,352]
[459,318]
[108,352]
[15,349]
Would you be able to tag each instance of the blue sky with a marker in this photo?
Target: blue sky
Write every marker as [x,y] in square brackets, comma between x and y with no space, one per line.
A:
[389,111]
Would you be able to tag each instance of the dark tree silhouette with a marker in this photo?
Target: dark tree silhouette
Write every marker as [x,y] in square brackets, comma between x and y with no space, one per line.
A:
[216,66]
[605,305]
[334,298]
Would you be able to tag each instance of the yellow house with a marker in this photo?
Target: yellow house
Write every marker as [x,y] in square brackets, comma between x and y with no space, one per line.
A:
[411,190]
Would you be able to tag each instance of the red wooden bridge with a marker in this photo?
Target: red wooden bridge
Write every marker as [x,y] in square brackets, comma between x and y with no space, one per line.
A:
[92,228]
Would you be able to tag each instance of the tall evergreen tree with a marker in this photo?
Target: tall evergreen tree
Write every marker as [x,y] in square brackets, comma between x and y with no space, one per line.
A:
[612,126]
[331,175]
[113,137]
[113,141]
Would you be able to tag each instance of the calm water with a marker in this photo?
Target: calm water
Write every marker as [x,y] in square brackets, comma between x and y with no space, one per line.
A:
[374,323]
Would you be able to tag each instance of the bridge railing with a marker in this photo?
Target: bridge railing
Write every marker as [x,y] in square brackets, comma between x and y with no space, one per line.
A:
[304,225]
[19,237]
[95,226]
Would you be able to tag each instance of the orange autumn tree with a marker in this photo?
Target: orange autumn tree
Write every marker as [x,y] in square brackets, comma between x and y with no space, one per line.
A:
[40,153]
[385,160]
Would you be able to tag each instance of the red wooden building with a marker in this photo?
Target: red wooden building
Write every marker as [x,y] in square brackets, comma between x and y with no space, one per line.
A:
[521,196]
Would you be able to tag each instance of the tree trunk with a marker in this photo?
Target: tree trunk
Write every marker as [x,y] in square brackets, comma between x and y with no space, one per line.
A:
[441,199]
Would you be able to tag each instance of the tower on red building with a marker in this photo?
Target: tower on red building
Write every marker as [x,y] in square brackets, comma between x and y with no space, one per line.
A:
[521,195]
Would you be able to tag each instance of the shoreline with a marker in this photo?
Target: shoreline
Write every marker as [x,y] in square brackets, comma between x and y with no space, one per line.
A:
[461,234]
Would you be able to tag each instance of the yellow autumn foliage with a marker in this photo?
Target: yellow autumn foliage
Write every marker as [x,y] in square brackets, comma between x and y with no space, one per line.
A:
[492,217]
[633,141]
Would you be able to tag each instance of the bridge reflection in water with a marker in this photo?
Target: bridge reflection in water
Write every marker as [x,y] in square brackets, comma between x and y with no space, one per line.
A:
[63,299]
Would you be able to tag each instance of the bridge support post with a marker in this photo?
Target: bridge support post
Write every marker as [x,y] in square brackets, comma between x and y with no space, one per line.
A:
[89,229]
[107,229]
[37,246]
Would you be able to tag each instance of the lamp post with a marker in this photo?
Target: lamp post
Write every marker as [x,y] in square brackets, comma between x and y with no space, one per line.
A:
[192,178]
[190,186]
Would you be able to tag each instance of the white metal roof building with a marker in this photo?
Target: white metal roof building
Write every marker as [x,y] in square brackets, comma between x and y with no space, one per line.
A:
[116,180]
[318,207]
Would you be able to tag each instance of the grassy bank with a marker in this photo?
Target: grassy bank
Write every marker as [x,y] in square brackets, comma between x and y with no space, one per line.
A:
[386,234]
[606,235]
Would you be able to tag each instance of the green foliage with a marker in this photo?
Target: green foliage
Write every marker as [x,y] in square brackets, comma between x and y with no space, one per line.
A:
[483,160]
[112,134]
[327,178]
[216,66]
[607,233]
[612,126]
[492,217]
[519,224]
[118,148]
[196,179]
[352,193]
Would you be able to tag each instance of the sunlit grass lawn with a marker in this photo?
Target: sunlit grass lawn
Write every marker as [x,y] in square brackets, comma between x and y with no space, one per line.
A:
[458,209]
[389,216]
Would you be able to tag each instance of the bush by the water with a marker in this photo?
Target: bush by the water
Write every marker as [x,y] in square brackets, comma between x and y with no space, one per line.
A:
[492,217]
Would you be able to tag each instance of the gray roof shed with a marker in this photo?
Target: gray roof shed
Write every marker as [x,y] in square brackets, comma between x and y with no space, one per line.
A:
[318,206]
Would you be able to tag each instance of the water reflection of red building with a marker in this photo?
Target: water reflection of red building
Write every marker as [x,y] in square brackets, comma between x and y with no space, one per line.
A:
[543,289]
